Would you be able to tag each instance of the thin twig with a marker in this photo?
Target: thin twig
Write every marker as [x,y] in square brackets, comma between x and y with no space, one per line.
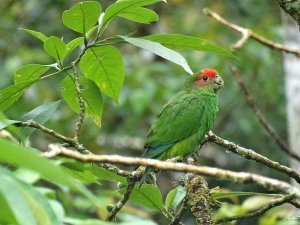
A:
[64,139]
[250,154]
[32,123]
[179,214]
[132,175]
[262,119]
[55,73]
[241,177]
[81,104]
[258,212]
[122,202]
[295,203]
[247,33]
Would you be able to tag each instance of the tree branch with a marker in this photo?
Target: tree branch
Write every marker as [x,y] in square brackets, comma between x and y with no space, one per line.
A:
[260,211]
[295,203]
[250,154]
[122,202]
[241,177]
[69,141]
[32,123]
[262,119]
[291,7]
[247,33]
[179,214]
[132,175]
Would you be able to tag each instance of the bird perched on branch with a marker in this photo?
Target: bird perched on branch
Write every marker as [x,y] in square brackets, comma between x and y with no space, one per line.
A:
[183,122]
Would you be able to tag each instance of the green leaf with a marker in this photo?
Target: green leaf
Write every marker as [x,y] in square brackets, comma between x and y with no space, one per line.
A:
[170,198]
[104,174]
[50,193]
[41,115]
[160,50]
[146,195]
[174,198]
[36,34]
[15,200]
[76,221]
[218,195]
[130,221]
[139,221]
[12,93]
[122,6]
[140,15]
[6,213]
[80,171]
[91,31]
[183,42]
[99,172]
[55,47]
[180,194]
[5,123]
[57,208]
[91,173]
[73,44]
[28,176]
[41,207]
[27,205]
[30,72]
[104,65]
[82,16]
[91,95]
[290,221]
[18,156]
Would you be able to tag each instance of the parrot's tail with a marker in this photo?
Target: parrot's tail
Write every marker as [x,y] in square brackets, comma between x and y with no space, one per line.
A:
[146,171]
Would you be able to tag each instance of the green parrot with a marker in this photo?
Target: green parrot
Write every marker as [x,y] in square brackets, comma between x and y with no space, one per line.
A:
[183,122]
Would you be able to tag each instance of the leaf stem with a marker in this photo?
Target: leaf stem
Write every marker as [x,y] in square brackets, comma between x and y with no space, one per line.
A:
[55,73]
[122,201]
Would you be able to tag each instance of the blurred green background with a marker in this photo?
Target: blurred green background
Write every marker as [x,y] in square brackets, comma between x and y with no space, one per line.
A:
[150,81]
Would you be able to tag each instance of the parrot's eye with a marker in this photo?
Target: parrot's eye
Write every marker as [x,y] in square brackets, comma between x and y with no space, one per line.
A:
[205,78]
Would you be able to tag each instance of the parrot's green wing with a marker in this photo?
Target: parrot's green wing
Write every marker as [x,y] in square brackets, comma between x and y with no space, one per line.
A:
[181,117]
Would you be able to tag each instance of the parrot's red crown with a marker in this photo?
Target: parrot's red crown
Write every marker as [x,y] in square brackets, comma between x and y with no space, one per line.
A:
[208,72]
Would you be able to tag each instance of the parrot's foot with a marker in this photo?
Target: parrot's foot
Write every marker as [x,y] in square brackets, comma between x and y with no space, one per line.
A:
[193,158]
[176,159]
[148,177]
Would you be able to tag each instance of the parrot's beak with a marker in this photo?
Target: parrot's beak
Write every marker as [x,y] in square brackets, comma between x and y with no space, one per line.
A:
[218,82]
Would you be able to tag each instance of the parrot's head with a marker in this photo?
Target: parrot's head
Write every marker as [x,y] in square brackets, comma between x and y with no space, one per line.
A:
[207,79]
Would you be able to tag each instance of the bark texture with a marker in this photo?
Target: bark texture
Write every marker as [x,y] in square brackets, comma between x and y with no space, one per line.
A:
[292,7]
[292,86]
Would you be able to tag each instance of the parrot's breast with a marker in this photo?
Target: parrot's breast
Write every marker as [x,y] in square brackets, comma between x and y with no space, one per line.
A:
[182,124]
